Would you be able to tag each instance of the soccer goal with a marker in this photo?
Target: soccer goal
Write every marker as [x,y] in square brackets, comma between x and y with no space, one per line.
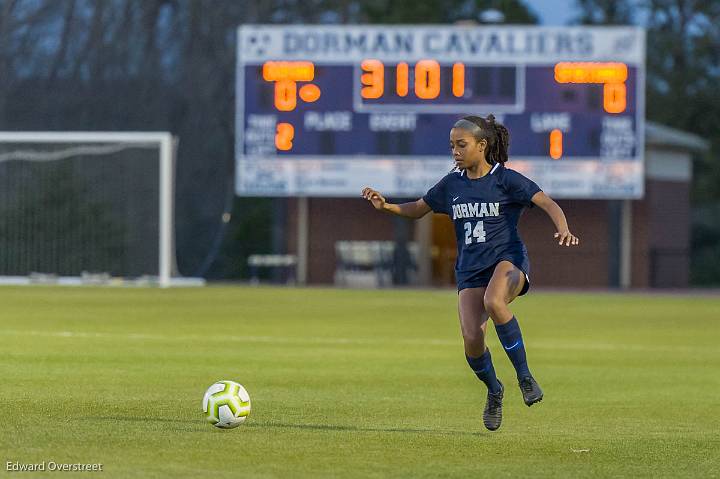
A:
[81,207]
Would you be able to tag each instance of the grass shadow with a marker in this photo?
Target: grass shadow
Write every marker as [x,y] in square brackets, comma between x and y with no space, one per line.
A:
[280,425]
[336,427]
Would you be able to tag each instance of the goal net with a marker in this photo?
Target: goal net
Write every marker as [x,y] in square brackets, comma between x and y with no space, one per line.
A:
[86,206]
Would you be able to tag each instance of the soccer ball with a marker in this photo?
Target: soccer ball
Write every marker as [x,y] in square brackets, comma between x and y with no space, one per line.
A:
[226,404]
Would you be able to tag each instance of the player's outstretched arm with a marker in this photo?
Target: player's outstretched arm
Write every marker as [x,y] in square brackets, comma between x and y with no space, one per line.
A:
[558,217]
[414,209]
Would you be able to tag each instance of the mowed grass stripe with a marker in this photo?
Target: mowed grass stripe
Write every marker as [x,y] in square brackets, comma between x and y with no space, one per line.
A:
[314,341]
[355,384]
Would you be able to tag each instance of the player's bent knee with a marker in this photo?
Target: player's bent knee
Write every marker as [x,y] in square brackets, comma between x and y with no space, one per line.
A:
[494,305]
[474,344]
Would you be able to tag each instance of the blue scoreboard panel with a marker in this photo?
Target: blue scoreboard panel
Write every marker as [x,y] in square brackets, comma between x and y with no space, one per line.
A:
[326,110]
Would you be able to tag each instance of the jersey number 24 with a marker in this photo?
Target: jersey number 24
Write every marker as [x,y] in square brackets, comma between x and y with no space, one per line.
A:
[478,232]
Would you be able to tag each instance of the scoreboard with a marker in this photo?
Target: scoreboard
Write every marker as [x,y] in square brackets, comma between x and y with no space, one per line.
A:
[325,110]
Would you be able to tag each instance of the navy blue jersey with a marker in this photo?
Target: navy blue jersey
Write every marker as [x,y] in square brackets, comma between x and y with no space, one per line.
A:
[485,212]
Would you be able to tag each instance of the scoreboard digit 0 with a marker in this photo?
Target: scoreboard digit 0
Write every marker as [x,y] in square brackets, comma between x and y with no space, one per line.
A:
[324,110]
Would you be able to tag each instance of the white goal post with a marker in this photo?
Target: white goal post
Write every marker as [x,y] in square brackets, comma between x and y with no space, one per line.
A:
[164,141]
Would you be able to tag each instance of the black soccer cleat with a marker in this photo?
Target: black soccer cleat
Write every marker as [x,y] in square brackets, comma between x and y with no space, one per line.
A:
[530,390]
[492,416]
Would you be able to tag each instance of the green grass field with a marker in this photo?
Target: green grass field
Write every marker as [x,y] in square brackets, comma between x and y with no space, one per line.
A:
[355,384]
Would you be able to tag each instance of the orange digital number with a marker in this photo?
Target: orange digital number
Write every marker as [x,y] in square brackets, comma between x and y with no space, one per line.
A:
[458,79]
[285,95]
[427,79]
[373,79]
[286,75]
[556,144]
[284,134]
[611,75]
[401,79]
[614,97]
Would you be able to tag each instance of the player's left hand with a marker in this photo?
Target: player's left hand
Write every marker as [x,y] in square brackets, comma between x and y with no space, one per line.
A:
[568,238]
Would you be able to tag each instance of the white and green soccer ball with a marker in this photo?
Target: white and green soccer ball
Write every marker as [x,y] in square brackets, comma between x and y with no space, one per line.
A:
[226,404]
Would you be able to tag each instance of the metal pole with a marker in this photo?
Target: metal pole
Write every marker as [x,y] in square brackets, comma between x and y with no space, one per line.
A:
[166,196]
[626,244]
[614,241]
[302,240]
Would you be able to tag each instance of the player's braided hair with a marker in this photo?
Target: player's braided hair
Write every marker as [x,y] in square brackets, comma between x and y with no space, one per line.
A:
[495,134]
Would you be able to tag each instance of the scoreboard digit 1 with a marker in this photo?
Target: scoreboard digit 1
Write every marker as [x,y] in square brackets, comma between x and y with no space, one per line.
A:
[324,110]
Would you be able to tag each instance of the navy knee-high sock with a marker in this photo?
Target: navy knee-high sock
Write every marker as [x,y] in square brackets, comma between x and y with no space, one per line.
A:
[485,371]
[511,339]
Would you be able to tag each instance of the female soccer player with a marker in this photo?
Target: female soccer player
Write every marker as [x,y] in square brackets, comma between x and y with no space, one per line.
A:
[485,200]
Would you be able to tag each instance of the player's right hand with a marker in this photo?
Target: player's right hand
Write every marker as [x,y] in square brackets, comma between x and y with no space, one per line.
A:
[374,197]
